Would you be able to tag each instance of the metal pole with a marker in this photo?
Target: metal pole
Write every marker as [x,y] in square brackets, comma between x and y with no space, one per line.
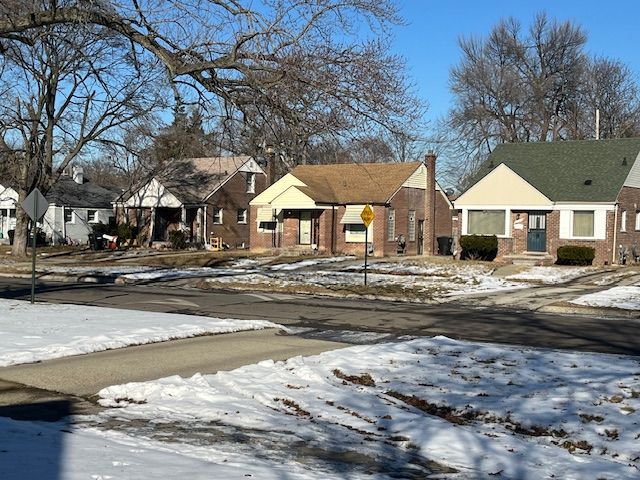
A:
[33,252]
[366,252]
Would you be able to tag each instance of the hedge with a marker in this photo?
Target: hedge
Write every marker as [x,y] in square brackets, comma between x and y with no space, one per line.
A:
[574,255]
[479,247]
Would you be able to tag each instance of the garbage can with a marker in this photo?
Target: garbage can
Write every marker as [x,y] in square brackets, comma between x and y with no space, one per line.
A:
[444,245]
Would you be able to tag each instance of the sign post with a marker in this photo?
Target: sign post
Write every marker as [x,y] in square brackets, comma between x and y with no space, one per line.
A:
[35,205]
[367,217]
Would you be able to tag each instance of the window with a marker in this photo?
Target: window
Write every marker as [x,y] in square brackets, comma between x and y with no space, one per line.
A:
[267,226]
[217,216]
[355,233]
[92,216]
[251,182]
[68,215]
[391,225]
[411,226]
[583,223]
[637,219]
[12,213]
[242,215]
[486,222]
[623,221]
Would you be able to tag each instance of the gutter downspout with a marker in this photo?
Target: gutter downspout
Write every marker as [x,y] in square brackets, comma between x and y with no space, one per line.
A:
[205,239]
[333,229]
[615,236]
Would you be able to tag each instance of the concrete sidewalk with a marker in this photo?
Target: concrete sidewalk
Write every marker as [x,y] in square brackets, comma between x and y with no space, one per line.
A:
[79,378]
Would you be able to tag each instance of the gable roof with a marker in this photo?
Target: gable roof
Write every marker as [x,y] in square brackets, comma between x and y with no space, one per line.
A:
[353,183]
[192,180]
[66,192]
[560,170]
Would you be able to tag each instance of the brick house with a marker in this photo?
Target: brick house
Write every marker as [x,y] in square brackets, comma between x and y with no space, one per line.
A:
[318,207]
[539,196]
[204,197]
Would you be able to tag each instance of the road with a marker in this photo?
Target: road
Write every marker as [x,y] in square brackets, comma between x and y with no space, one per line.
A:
[328,318]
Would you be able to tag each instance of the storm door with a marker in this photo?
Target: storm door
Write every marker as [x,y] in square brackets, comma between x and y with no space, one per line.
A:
[537,233]
[305,228]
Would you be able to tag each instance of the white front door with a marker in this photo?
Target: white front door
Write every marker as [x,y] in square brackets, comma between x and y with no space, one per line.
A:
[305,228]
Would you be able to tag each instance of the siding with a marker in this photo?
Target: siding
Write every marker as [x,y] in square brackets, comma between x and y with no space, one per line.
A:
[633,179]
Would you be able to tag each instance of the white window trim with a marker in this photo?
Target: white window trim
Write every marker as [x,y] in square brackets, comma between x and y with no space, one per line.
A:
[637,220]
[244,220]
[251,182]
[507,219]
[623,221]
[96,216]
[357,237]
[213,215]
[73,215]
[599,221]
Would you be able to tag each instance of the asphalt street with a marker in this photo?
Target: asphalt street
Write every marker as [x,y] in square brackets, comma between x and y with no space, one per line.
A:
[327,318]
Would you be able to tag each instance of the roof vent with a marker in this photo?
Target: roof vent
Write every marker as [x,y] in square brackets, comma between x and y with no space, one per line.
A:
[624,160]
[587,182]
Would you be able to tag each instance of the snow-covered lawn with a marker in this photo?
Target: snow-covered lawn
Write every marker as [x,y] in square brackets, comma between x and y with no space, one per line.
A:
[30,333]
[627,298]
[478,408]
[388,279]
[392,410]
[551,275]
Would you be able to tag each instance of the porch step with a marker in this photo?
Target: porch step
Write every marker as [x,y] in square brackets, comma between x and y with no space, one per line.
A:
[530,258]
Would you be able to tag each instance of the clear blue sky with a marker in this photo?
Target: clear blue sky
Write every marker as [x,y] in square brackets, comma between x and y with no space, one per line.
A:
[429,41]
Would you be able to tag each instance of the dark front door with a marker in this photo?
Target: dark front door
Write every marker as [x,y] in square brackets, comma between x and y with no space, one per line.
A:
[537,233]
[420,236]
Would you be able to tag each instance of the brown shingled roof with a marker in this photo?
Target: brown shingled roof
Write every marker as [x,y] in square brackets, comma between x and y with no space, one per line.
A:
[354,183]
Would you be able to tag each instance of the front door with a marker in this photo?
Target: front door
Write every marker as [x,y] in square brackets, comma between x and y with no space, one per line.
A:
[537,233]
[420,236]
[305,228]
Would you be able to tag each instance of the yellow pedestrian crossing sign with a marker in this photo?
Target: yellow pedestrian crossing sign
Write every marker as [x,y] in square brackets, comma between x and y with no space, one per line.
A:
[367,215]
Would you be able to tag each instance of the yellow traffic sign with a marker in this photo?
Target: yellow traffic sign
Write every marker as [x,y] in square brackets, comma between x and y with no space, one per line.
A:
[367,215]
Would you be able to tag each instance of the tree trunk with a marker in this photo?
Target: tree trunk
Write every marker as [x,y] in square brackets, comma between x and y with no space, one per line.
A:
[21,236]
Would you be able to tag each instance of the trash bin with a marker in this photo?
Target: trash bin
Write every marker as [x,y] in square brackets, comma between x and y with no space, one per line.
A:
[444,245]
[11,234]
[96,242]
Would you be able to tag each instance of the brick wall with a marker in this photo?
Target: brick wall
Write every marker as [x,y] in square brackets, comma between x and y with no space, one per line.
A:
[629,201]
[231,197]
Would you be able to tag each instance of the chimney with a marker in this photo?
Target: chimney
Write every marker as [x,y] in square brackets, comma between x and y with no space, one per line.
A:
[271,164]
[430,210]
[78,175]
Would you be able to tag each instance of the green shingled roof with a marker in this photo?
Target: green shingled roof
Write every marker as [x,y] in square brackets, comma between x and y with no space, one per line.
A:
[560,169]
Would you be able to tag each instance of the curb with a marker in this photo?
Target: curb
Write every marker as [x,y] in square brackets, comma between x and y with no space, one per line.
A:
[609,313]
[103,279]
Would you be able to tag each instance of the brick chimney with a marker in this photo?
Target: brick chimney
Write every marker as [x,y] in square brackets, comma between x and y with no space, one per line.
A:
[430,210]
[271,164]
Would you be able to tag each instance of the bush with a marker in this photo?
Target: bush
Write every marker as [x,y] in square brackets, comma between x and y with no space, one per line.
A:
[124,233]
[479,247]
[178,240]
[574,255]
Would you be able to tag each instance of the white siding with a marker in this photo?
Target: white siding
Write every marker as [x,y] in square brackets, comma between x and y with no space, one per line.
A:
[633,179]
[153,194]
[418,179]
[599,221]
[276,189]
[566,220]
[294,199]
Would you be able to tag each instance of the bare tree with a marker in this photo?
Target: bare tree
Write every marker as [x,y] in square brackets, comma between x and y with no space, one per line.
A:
[534,85]
[63,91]
[290,71]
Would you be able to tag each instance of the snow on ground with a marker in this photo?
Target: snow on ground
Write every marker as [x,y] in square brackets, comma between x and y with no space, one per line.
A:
[309,262]
[481,409]
[437,279]
[392,410]
[95,270]
[177,273]
[627,298]
[551,275]
[30,333]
